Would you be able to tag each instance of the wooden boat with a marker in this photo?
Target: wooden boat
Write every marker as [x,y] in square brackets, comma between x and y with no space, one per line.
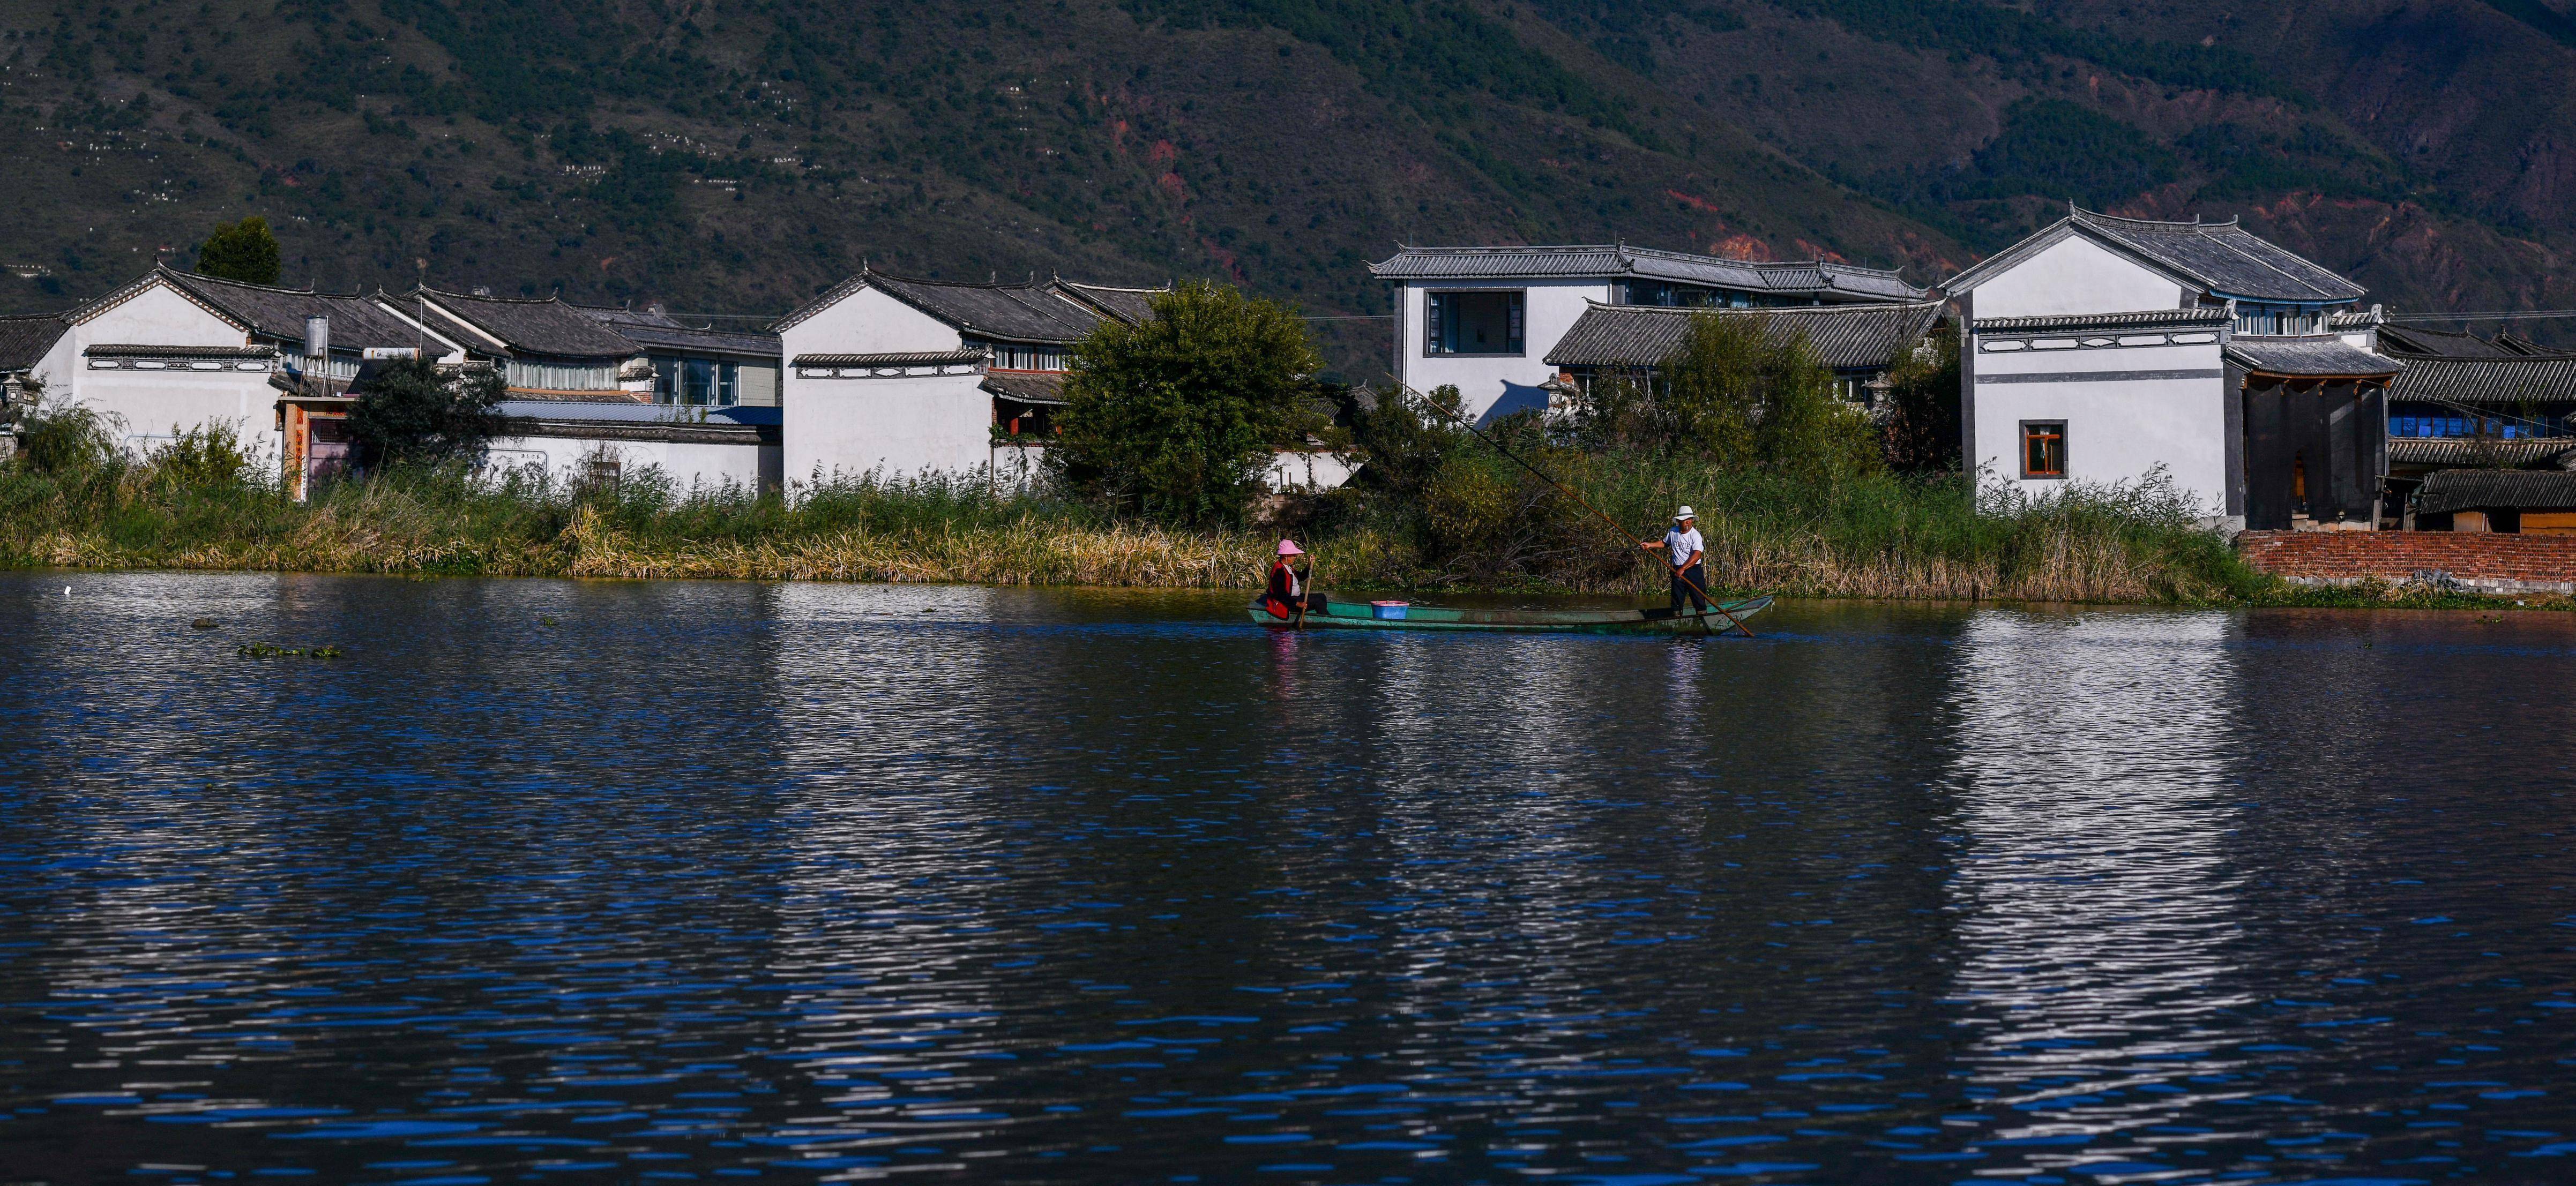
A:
[1361,615]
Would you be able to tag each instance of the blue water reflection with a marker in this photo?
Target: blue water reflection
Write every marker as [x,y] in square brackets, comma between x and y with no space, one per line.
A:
[668,881]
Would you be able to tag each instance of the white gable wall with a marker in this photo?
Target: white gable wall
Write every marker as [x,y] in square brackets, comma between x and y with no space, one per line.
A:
[1492,385]
[148,407]
[902,426]
[2077,275]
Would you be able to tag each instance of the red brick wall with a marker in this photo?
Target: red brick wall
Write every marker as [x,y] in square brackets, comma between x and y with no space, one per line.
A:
[2506,562]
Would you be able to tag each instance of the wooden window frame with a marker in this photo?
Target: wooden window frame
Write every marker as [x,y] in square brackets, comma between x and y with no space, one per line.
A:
[2027,473]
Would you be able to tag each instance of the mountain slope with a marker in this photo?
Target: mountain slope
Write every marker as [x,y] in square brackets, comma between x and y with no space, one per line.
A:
[734,157]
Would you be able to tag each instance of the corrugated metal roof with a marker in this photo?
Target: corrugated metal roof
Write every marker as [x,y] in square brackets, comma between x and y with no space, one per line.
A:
[2210,316]
[2478,451]
[2498,489]
[2318,357]
[1817,279]
[542,327]
[2488,380]
[2224,257]
[357,322]
[25,339]
[1844,337]
[661,331]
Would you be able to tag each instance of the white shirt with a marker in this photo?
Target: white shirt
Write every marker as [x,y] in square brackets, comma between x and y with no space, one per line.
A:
[1681,545]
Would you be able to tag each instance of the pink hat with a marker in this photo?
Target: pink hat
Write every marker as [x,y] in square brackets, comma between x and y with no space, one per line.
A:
[1288,547]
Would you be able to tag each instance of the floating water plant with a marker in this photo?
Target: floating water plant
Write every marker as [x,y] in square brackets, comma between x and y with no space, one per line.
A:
[261,650]
[204,624]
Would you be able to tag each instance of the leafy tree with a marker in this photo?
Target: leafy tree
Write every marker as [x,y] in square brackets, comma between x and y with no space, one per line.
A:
[1177,417]
[244,251]
[413,413]
[1921,429]
[1737,396]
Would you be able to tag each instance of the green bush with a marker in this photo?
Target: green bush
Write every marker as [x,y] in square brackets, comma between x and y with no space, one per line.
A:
[413,413]
[1177,418]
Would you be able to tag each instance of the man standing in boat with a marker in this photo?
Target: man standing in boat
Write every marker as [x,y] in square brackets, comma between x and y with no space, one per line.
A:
[1683,550]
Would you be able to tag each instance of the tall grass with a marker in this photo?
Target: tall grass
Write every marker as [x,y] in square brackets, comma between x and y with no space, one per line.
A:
[74,500]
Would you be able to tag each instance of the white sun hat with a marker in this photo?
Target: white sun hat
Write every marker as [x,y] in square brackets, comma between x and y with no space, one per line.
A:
[1684,513]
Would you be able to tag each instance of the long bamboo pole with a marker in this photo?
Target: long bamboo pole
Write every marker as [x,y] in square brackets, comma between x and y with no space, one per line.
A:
[1713,604]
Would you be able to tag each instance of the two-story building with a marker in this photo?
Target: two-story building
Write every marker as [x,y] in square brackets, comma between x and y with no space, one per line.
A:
[896,376]
[1485,319]
[2105,349]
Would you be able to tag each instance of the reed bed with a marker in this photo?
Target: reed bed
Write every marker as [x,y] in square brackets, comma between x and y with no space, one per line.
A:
[1875,536]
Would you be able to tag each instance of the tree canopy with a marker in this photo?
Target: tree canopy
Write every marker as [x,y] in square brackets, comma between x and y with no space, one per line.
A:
[1178,417]
[411,413]
[245,251]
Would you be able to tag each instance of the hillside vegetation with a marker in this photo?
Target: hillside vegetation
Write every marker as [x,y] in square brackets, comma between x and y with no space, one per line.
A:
[732,157]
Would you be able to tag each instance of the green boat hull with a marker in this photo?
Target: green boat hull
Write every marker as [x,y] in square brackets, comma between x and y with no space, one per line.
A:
[1359,615]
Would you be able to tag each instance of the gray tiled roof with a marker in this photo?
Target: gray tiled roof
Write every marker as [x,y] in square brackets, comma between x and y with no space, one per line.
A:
[2223,257]
[1005,312]
[357,322]
[1844,337]
[2317,357]
[2488,380]
[1028,387]
[2211,316]
[915,358]
[1135,306]
[661,331]
[2479,451]
[24,340]
[2435,343]
[151,350]
[546,327]
[2478,489]
[1819,279]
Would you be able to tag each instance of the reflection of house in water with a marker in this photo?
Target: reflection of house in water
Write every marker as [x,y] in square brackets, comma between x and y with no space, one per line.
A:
[2096,907]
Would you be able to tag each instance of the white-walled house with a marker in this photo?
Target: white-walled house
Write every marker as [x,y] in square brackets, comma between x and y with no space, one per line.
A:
[2102,349]
[1484,319]
[903,377]
[157,359]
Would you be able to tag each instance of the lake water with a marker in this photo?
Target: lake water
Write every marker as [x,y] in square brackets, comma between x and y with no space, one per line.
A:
[606,882]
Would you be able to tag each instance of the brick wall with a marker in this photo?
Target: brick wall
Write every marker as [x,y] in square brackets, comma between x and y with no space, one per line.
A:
[2482,561]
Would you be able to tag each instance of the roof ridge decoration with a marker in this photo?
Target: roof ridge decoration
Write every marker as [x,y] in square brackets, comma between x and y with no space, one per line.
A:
[311,287]
[160,274]
[2081,214]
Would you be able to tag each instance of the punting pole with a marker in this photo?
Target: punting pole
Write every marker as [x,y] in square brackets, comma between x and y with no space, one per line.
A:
[1713,604]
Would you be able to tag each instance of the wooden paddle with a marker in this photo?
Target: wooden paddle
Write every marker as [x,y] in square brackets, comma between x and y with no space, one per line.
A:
[1714,605]
[1306,595]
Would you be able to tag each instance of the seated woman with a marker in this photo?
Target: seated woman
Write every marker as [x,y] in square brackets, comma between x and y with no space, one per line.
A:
[1287,589]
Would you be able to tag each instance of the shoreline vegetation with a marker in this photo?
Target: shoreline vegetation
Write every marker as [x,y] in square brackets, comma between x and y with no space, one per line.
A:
[1155,479]
[200,504]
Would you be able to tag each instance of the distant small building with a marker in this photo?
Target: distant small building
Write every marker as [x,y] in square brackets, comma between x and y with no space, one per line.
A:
[25,340]
[901,376]
[1859,343]
[2103,349]
[700,366]
[2528,502]
[1486,319]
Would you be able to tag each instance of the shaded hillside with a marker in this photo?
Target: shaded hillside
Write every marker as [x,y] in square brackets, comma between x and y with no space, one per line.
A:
[735,157]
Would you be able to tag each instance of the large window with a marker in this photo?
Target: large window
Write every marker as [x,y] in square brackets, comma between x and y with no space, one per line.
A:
[2043,448]
[1472,323]
[701,382]
[560,376]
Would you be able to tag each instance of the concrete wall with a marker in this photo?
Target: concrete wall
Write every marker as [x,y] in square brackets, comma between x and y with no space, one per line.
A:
[2124,416]
[152,406]
[1493,385]
[1309,471]
[2077,275]
[894,426]
[689,464]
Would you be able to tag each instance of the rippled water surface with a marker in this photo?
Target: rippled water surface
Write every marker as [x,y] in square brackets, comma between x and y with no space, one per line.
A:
[666,881]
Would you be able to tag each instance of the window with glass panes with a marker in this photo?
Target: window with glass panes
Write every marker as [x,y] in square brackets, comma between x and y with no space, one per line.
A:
[2043,448]
[705,382]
